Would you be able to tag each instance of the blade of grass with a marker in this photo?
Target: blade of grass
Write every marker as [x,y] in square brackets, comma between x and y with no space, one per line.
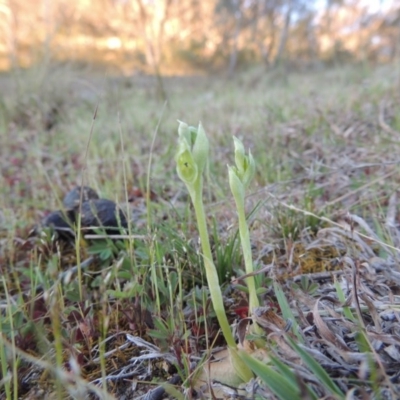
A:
[286,310]
[346,310]
[287,372]
[281,385]
[317,370]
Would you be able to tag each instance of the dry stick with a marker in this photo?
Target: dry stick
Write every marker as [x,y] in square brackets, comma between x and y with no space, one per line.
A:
[153,141]
[128,237]
[390,220]
[67,378]
[159,392]
[148,203]
[354,269]
[86,154]
[128,209]
[318,275]
[383,124]
[360,222]
[78,237]
[329,203]
[292,207]
[363,327]
[63,276]
[317,175]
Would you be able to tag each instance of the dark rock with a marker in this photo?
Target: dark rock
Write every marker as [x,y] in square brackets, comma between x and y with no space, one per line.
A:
[94,213]
[60,222]
[73,197]
[103,213]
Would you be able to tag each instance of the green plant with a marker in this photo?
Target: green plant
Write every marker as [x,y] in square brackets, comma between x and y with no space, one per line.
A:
[306,285]
[284,385]
[240,177]
[317,370]
[281,379]
[191,159]
[227,253]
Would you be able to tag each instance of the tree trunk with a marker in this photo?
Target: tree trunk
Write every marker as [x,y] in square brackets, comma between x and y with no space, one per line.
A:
[312,41]
[234,51]
[284,35]
[153,48]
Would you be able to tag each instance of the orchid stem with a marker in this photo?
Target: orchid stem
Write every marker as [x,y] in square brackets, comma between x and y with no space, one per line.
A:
[248,259]
[211,272]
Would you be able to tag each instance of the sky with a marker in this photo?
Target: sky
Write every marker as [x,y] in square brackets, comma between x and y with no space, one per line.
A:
[373,5]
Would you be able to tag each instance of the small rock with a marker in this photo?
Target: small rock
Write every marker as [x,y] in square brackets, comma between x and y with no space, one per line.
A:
[94,213]
[73,197]
[61,222]
[103,213]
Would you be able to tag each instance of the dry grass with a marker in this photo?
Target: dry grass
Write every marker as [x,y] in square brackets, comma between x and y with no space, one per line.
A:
[125,315]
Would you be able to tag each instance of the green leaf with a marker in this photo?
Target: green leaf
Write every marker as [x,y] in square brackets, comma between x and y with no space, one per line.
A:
[157,335]
[160,326]
[288,373]
[105,254]
[342,298]
[171,390]
[362,342]
[317,370]
[72,292]
[284,387]
[117,294]
[241,369]
[261,290]
[286,310]
[125,275]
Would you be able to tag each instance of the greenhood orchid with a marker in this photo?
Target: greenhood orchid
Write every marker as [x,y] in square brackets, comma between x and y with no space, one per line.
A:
[191,160]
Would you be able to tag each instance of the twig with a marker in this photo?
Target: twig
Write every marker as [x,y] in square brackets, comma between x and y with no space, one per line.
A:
[383,124]
[94,237]
[294,208]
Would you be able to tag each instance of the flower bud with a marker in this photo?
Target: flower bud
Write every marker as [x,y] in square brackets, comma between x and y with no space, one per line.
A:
[245,165]
[184,133]
[250,170]
[239,155]
[236,185]
[185,164]
[201,149]
[193,151]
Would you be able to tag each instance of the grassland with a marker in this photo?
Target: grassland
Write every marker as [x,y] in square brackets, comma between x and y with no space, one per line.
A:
[78,320]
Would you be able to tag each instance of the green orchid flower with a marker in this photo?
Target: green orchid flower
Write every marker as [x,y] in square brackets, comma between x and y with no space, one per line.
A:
[191,160]
[240,177]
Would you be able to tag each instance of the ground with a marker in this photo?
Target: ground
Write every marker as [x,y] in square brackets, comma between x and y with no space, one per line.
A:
[122,316]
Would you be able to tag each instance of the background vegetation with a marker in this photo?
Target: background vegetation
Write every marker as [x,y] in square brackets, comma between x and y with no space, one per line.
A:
[170,36]
[91,93]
